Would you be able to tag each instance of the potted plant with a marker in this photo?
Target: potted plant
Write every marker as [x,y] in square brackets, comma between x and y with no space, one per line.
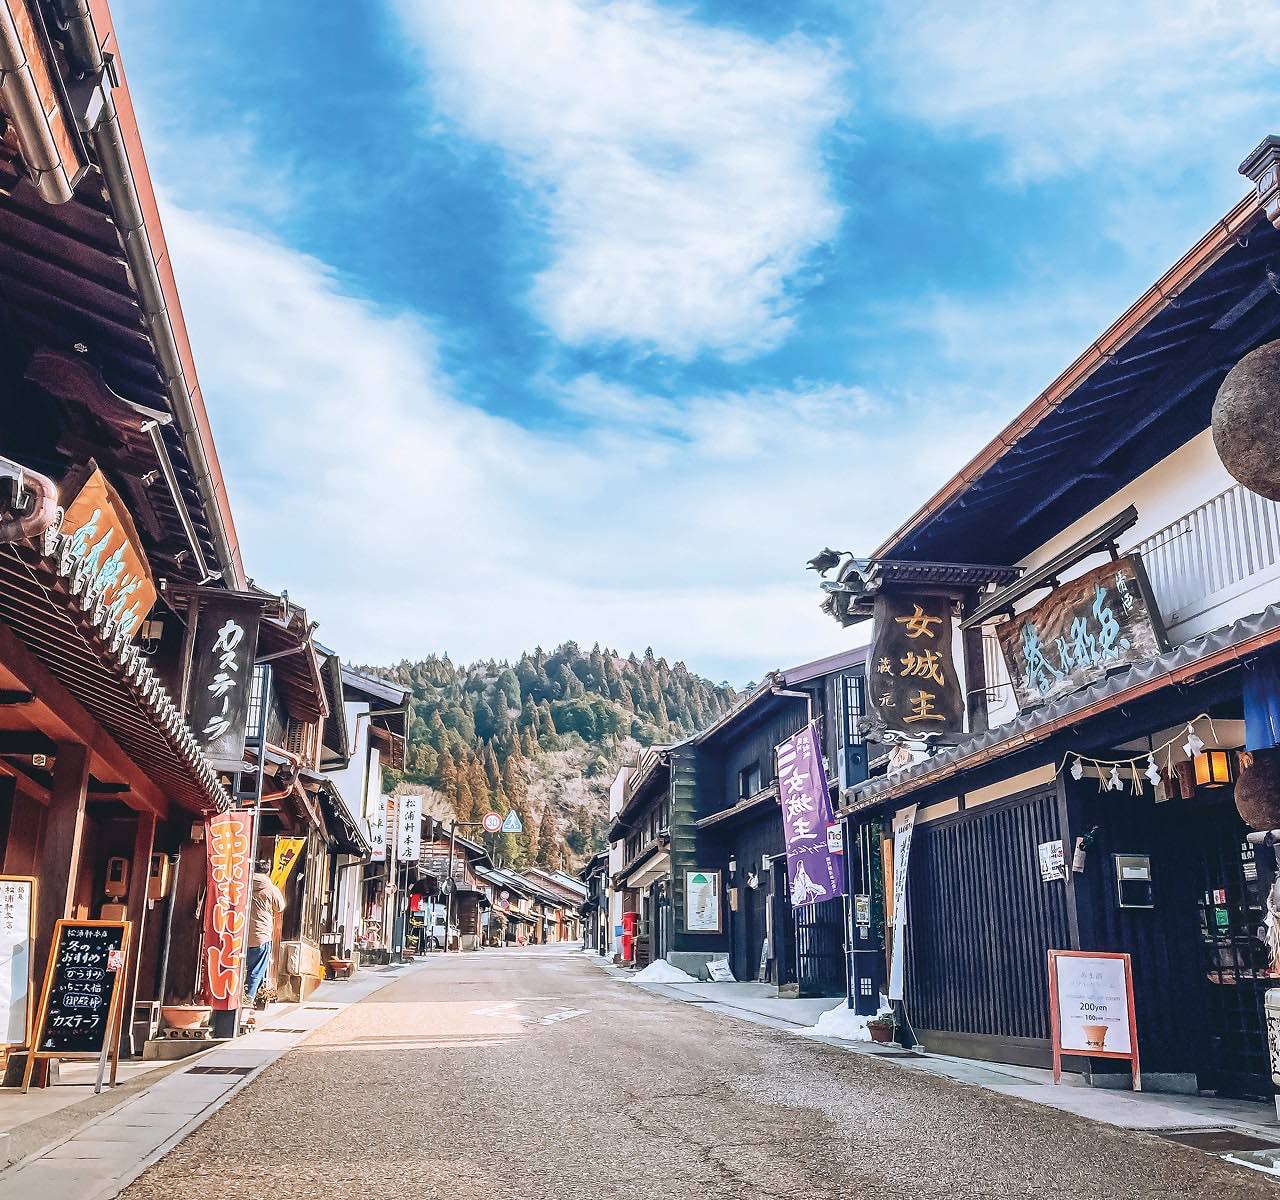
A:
[881,1027]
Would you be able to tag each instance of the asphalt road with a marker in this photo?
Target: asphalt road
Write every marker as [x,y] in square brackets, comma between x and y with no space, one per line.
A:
[533,1075]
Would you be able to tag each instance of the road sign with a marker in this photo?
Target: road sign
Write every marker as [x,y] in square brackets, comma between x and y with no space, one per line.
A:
[512,824]
[492,822]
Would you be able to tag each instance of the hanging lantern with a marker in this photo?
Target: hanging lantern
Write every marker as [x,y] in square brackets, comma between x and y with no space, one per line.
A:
[1077,768]
[1213,768]
[1258,791]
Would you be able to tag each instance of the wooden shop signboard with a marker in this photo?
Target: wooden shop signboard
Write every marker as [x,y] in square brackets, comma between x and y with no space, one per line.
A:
[1091,1008]
[912,685]
[83,995]
[1080,631]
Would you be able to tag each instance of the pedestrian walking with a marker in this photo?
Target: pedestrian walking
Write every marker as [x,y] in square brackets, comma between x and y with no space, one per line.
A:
[265,903]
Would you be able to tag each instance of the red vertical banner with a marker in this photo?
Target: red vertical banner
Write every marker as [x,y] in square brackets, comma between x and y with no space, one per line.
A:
[226,907]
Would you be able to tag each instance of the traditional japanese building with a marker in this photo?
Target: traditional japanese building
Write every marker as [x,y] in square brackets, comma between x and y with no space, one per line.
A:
[112,508]
[1127,671]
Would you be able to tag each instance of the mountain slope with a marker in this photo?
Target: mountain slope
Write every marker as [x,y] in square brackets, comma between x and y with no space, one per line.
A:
[542,736]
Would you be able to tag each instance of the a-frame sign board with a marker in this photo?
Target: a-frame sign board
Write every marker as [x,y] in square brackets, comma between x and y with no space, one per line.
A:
[83,996]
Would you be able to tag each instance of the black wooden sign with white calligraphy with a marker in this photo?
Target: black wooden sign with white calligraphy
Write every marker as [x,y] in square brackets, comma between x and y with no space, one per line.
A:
[86,971]
[912,686]
[222,665]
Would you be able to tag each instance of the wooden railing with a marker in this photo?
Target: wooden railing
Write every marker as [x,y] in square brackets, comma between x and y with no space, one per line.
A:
[1222,549]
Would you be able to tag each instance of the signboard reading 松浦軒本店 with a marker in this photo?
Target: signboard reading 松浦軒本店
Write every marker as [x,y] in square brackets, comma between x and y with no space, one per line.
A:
[1091,1008]
[912,686]
[1080,631]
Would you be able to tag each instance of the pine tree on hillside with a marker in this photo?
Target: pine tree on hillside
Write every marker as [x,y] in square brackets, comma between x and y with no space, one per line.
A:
[548,853]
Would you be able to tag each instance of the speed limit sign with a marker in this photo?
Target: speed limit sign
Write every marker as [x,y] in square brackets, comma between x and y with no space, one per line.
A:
[492,822]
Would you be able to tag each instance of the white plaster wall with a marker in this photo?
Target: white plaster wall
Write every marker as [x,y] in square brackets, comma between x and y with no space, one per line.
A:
[1175,486]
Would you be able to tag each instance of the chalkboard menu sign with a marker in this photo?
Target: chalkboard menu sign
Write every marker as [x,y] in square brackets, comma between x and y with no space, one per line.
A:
[87,968]
[83,992]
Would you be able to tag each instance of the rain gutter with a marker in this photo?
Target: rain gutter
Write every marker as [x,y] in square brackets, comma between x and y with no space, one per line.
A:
[108,141]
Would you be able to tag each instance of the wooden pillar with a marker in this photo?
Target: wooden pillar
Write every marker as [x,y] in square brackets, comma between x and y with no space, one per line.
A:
[143,841]
[59,861]
[975,671]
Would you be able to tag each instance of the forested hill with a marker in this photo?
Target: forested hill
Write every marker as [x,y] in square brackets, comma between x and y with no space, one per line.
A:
[542,736]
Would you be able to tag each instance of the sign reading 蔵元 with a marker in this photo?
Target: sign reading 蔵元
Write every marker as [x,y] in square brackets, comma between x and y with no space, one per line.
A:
[912,686]
[1080,631]
[101,534]
[222,678]
[813,870]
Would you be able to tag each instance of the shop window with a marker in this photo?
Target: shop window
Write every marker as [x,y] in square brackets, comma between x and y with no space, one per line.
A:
[749,781]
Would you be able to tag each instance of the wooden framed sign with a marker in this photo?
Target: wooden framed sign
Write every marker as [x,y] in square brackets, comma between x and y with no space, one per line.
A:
[83,995]
[17,937]
[1091,1008]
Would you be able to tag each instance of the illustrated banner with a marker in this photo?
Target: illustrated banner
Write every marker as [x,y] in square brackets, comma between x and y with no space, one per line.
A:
[285,859]
[813,869]
[226,908]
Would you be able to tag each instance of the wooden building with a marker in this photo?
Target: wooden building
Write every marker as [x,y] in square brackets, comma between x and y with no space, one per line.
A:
[1124,669]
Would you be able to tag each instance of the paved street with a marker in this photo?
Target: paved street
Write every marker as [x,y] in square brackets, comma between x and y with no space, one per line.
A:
[533,1075]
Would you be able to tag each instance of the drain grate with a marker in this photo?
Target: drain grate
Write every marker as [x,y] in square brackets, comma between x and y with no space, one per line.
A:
[282,1029]
[323,1007]
[212,1070]
[1219,1141]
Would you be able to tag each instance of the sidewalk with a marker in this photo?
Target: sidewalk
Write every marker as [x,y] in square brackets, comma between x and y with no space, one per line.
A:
[100,1157]
[1242,1131]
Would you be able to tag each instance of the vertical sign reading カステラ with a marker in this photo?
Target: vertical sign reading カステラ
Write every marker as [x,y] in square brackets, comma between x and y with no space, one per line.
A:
[226,906]
[222,678]
[813,869]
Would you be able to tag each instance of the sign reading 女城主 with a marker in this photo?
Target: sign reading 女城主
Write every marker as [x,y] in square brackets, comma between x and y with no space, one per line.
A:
[912,686]
[222,678]
[814,870]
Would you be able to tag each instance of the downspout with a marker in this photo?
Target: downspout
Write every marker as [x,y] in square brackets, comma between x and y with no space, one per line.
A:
[108,143]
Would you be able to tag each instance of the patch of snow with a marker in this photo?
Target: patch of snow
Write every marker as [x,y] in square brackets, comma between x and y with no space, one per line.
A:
[661,971]
[842,1023]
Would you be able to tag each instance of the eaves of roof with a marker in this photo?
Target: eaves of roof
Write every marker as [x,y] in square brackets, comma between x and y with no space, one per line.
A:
[1241,218]
[1213,650]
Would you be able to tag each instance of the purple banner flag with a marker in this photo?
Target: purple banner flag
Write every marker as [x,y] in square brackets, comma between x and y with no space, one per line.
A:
[815,859]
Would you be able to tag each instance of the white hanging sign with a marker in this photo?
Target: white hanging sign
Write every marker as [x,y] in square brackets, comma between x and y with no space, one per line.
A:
[409,819]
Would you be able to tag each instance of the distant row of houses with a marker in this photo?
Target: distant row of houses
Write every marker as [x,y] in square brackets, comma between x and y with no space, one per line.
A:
[1068,699]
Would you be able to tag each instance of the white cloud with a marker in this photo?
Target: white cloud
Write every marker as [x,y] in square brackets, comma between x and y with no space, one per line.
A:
[680,166]
[1069,87]
[407,521]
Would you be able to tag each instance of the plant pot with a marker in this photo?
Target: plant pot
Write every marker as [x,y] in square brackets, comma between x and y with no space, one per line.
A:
[880,1033]
[185,1016]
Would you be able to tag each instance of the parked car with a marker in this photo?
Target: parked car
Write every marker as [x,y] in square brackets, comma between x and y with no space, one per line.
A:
[436,938]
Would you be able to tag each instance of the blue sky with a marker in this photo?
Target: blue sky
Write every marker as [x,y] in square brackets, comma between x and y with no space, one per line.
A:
[526,320]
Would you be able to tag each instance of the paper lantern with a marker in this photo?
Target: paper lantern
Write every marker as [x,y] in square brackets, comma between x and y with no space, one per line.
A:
[1213,768]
